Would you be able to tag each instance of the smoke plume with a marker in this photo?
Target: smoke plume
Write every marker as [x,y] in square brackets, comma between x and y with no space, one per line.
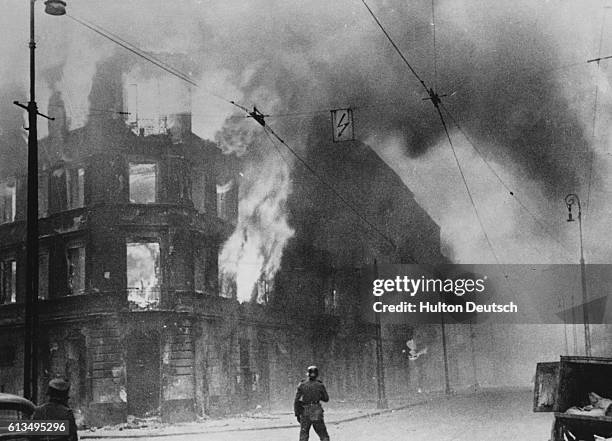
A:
[515,76]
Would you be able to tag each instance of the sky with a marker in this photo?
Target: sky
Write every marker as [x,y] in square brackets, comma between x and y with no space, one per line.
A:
[528,117]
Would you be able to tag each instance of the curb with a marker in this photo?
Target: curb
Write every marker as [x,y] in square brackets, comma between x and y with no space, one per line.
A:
[252,429]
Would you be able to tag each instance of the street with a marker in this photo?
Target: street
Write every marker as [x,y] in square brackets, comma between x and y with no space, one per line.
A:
[493,415]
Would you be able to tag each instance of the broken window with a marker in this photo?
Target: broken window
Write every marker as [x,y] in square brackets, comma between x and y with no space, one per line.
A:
[205,271]
[8,281]
[200,270]
[263,290]
[331,301]
[143,273]
[199,190]
[143,183]
[227,202]
[8,201]
[75,255]
[75,188]
[331,297]
[43,275]
[43,195]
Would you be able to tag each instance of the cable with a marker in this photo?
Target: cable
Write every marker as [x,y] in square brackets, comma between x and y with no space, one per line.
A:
[330,187]
[601,34]
[277,149]
[467,188]
[89,110]
[599,58]
[435,99]
[135,51]
[397,49]
[499,178]
[150,58]
[435,60]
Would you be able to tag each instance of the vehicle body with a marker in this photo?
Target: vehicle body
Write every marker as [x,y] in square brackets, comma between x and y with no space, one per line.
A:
[559,386]
[14,407]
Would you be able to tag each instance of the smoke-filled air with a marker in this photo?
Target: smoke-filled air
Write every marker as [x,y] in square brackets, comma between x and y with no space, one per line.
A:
[528,117]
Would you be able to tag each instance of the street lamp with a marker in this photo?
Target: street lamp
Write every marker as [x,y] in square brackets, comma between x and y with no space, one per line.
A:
[55,7]
[570,200]
[30,359]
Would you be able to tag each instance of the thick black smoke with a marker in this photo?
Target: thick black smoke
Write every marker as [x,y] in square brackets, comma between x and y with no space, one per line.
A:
[498,64]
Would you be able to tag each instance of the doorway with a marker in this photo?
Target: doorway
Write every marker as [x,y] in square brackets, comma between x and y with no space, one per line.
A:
[143,373]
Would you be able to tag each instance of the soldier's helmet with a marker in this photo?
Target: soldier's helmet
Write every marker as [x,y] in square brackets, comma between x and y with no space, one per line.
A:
[59,388]
[313,371]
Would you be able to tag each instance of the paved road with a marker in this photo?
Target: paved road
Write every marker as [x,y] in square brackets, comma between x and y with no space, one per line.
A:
[490,416]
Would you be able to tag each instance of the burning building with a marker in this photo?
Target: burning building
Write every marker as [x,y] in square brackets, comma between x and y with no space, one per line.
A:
[136,217]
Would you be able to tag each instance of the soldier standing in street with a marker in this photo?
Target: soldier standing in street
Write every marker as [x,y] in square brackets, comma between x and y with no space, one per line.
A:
[307,405]
[57,409]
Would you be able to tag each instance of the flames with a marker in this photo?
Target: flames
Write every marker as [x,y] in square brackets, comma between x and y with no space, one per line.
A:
[253,252]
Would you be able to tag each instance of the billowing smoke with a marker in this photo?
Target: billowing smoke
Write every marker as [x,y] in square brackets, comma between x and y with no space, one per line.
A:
[515,74]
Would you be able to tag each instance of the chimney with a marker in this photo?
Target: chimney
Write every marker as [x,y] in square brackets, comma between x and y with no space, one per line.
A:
[59,127]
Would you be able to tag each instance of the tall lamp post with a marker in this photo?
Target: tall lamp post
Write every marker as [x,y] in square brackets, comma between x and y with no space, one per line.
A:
[570,200]
[30,359]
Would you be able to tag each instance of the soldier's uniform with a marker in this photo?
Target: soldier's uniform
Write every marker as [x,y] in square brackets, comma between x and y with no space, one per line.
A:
[57,409]
[308,409]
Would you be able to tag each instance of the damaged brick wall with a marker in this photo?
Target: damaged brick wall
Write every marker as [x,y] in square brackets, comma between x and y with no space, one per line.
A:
[178,387]
[11,363]
[108,374]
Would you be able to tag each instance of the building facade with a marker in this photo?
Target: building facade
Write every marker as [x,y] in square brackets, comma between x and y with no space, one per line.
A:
[132,218]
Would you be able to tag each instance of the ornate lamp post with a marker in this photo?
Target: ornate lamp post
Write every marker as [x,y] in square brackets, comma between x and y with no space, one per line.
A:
[30,359]
[570,200]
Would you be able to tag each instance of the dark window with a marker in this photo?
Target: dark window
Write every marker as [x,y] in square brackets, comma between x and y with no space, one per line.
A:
[57,190]
[7,356]
[143,183]
[43,275]
[331,301]
[8,281]
[8,201]
[75,188]
[43,195]
[200,270]
[76,269]
[199,190]
[227,202]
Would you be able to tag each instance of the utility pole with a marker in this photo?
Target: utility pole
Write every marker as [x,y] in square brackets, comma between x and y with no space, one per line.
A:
[30,360]
[30,354]
[447,388]
[473,351]
[570,200]
[380,367]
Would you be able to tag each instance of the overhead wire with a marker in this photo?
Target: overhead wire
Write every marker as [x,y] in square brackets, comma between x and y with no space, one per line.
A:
[435,56]
[595,103]
[397,49]
[132,48]
[439,103]
[436,101]
[330,187]
[542,225]
[147,56]
[91,109]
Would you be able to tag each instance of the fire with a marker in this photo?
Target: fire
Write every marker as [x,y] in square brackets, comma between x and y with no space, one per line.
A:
[254,250]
